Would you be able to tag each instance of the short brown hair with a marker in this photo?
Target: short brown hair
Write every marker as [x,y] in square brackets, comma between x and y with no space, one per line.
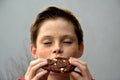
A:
[53,13]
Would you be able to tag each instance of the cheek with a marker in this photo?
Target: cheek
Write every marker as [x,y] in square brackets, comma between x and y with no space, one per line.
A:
[43,53]
[71,52]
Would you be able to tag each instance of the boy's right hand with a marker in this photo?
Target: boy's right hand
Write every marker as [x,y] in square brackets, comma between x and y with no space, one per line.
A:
[32,71]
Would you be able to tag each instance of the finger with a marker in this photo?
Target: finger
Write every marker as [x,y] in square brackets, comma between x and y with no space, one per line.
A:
[41,75]
[75,75]
[82,66]
[34,66]
[32,63]
[75,59]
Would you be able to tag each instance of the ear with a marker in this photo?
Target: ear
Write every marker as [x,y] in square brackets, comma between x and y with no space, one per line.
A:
[33,50]
[80,49]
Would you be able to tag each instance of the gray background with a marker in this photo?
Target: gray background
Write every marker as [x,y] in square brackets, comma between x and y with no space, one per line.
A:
[100,20]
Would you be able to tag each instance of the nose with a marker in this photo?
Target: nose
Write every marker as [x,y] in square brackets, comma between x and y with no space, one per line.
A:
[57,49]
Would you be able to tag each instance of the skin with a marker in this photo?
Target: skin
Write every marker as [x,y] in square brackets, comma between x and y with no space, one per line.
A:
[56,37]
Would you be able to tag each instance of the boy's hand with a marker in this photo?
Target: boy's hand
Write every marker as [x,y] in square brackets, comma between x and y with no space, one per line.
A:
[84,73]
[32,72]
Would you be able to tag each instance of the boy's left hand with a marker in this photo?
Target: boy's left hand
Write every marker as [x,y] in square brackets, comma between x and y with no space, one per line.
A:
[84,73]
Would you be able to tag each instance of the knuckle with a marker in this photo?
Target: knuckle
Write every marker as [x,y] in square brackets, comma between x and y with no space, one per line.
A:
[31,64]
[33,69]
[85,64]
[85,68]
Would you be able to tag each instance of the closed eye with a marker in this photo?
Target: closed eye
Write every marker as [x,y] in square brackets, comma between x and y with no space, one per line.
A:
[67,41]
[47,42]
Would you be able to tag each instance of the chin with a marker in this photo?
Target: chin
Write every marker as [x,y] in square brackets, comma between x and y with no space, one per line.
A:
[54,73]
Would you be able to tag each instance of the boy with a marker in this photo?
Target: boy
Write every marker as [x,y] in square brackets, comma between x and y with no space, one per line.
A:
[56,33]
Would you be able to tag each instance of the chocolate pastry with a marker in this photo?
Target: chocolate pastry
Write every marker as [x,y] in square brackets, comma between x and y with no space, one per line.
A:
[59,65]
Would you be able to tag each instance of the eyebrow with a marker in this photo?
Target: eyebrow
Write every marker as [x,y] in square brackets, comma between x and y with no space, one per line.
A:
[50,36]
[46,36]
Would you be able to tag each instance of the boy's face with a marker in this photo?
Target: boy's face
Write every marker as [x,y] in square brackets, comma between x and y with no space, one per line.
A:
[56,37]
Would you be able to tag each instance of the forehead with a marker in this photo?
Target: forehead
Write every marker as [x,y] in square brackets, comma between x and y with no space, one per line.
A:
[58,25]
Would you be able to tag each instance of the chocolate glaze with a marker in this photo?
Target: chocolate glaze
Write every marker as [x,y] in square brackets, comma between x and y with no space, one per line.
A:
[59,65]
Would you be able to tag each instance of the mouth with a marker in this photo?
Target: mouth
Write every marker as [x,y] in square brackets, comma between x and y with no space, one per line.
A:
[59,65]
[58,56]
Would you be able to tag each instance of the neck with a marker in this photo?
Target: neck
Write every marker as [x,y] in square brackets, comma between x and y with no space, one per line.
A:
[58,76]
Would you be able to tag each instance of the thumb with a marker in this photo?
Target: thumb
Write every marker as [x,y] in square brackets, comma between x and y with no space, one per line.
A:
[75,75]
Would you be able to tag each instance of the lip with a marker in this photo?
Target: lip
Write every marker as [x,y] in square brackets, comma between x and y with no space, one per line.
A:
[58,56]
